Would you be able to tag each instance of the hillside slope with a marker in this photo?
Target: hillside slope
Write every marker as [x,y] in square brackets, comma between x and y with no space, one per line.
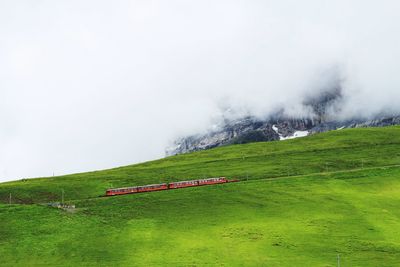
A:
[296,221]
[332,151]
[301,202]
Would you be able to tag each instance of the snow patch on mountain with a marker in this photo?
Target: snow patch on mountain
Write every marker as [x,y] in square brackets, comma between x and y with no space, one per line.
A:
[296,134]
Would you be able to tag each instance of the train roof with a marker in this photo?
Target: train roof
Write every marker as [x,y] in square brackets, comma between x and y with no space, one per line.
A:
[151,185]
[213,178]
[183,181]
[119,188]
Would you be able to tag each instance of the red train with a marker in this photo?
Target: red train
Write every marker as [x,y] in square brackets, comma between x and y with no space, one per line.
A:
[165,186]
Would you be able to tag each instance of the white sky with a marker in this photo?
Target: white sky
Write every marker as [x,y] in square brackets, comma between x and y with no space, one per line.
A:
[88,85]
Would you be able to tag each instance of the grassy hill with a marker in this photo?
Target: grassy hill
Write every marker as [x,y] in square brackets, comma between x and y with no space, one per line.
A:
[332,151]
[300,202]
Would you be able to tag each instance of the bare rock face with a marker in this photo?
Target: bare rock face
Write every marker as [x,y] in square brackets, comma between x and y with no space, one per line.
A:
[280,127]
[234,132]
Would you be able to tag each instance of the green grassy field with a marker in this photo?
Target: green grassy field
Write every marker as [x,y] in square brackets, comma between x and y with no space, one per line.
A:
[301,202]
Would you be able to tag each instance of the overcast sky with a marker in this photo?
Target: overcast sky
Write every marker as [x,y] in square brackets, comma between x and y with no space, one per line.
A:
[88,85]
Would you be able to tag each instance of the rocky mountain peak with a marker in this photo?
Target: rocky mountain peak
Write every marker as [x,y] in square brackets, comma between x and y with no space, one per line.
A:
[324,106]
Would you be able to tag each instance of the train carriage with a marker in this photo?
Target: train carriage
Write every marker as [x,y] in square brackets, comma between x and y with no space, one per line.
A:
[121,191]
[218,180]
[183,184]
[165,186]
[152,187]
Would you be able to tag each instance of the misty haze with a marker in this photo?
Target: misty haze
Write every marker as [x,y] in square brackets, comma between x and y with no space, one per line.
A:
[85,85]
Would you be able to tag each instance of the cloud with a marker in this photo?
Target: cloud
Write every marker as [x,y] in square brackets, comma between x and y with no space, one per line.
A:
[94,84]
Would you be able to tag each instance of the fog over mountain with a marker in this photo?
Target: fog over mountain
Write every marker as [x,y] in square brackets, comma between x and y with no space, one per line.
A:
[89,85]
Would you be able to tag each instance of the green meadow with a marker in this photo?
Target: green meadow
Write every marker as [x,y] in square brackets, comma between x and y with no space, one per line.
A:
[301,202]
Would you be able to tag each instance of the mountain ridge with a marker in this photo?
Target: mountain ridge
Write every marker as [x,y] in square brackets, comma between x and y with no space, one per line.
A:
[323,111]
